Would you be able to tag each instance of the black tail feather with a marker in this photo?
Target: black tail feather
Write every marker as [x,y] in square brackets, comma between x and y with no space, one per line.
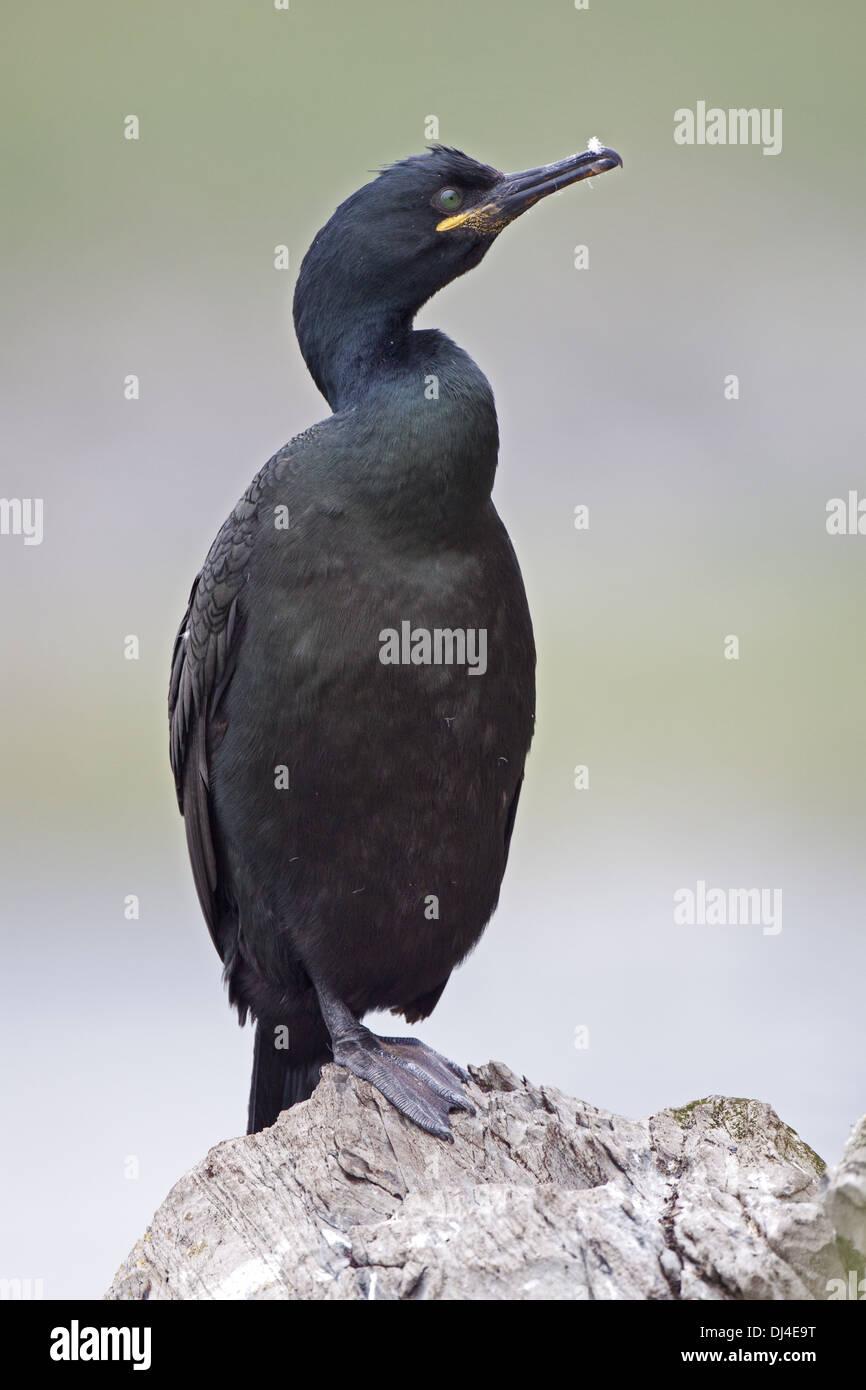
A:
[278,1081]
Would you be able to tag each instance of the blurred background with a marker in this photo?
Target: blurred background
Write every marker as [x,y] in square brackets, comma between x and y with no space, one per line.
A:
[155,257]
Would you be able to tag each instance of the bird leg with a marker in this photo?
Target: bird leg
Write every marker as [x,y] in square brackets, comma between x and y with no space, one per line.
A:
[416,1080]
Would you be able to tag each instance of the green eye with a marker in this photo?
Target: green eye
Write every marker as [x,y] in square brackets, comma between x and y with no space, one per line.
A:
[449,199]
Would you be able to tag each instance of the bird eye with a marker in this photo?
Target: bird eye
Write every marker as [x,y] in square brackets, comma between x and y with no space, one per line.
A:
[449,199]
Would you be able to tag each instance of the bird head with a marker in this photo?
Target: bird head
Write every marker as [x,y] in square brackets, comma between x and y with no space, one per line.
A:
[416,227]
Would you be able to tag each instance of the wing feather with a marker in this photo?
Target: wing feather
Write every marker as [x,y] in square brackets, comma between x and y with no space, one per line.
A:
[203,661]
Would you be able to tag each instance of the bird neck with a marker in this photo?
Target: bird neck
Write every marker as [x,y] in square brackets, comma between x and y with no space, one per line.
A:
[345,352]
[414,415]
[415,444]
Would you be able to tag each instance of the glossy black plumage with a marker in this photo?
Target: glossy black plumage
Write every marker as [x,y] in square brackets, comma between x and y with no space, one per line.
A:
[403,780]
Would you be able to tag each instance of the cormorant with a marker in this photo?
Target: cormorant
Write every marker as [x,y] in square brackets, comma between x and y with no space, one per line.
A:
[353,683]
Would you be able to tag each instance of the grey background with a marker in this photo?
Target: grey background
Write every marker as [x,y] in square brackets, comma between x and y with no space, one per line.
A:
[707,518]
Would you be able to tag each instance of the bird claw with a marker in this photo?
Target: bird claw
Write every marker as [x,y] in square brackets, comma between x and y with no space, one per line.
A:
[416,1080]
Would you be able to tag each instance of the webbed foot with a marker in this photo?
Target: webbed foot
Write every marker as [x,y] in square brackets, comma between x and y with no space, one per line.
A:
[420,1083]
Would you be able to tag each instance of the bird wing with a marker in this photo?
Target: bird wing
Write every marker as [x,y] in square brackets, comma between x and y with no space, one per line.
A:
[203,661]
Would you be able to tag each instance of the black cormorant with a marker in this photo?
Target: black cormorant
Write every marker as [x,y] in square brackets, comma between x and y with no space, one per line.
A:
[352,688]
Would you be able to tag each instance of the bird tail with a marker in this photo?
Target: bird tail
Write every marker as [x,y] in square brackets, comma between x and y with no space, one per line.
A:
[278,1081]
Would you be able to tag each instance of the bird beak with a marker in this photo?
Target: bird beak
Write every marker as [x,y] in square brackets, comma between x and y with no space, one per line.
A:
[517,192]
